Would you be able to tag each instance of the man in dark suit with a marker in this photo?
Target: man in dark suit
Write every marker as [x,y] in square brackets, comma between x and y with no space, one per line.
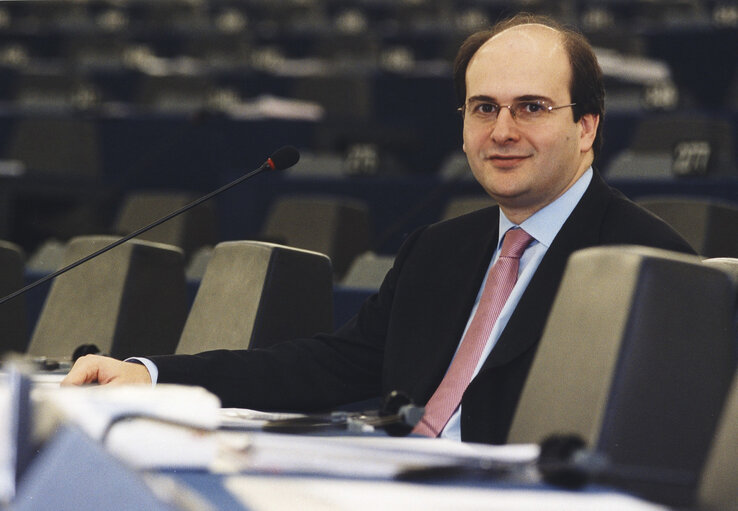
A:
[532,100]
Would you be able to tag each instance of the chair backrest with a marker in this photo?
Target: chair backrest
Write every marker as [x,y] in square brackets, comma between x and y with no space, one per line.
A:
[128,301]
[709,225]
[718,488]
[13,314]
[458,206]
[48,257]
[198,263]
[338,227]
[730,266]
[175,93]
[70,146]
[189,231]
[636,358]
[254,294]
[678,145]
[367,271]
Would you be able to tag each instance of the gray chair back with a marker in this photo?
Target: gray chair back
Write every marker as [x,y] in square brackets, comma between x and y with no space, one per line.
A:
[70,146]
[128,301]
[367,271]
[189,231]
[458,206]
[636,358]
[710,226]
[335,226]
[718,487]
[254,294]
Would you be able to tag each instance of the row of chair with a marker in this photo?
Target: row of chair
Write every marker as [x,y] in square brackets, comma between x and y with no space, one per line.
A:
[340,227]
[132,299]
[643,376]
[328,227]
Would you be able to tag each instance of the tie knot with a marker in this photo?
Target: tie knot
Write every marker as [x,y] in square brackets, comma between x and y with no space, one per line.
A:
[515,243]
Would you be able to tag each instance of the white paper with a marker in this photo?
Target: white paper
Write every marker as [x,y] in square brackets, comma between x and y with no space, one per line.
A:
[251,419]
[322,494]
[167,426]
[355,456]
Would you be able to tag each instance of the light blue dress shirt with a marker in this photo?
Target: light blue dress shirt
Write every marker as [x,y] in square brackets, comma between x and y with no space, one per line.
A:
[543,226]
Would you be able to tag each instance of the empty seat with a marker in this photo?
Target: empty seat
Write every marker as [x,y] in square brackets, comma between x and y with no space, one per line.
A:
[636,358]
[56,92]
[367,271]
[665,146]
[254,294]
[342,95]
[456,167]
[730,266]
[128,301]
[727,264]
[175,93]
[48,257]
[718,487]
[335,226]
[189,231]
[198,263]
[319,164]
[458,206]
[709,225]
[70,146]
[13,322]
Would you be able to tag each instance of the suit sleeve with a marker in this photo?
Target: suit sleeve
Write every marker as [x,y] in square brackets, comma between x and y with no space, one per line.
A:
[308,374]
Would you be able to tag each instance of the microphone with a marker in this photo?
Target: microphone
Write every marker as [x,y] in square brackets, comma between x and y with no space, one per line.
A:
[281,159]
[398,416]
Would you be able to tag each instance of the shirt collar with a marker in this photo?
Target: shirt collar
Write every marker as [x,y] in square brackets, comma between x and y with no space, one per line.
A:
[545,223]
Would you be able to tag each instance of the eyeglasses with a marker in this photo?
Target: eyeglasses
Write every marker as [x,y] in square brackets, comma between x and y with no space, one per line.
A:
[522,111]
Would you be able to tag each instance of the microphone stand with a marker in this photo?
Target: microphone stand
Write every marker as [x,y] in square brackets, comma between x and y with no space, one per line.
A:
[281,159]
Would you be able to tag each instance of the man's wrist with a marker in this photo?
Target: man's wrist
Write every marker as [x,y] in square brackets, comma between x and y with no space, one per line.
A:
[149,365]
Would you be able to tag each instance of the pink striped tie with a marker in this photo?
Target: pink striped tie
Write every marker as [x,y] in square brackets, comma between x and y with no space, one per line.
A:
[497,289]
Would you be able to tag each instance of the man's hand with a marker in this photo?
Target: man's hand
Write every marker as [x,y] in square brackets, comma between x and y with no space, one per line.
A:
[104,370]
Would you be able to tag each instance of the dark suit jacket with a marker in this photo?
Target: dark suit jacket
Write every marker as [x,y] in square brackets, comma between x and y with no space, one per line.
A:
[404,337]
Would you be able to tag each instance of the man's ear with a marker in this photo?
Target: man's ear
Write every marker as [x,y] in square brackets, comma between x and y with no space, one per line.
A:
[588,124]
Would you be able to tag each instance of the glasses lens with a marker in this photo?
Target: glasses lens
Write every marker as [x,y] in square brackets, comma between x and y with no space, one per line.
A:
[530,110]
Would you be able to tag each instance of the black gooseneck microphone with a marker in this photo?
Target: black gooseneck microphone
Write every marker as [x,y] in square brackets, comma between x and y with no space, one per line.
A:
[281,159]
[398,416]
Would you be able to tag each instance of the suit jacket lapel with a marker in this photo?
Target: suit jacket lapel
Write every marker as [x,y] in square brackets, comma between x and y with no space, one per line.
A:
[580,230]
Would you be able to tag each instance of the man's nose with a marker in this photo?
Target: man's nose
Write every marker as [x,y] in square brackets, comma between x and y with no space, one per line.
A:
[504,128]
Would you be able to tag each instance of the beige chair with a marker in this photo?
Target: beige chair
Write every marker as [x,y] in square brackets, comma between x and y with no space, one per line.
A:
[70,146]
[710,226]
[718,487]
[636,358]
[458,206]
[254,294]
[128,301]
[669,145]
[367,271]
[338,227]
[189,231]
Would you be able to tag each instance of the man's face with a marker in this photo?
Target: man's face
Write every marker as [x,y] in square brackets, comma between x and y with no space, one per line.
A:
[525,166]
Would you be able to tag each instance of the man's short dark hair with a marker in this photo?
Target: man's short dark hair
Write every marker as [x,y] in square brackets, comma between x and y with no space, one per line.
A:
[587,89]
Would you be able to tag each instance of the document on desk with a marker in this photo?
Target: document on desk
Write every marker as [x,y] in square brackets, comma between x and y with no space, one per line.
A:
[167,426]
[245,418]
[329,494]
[356,456]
